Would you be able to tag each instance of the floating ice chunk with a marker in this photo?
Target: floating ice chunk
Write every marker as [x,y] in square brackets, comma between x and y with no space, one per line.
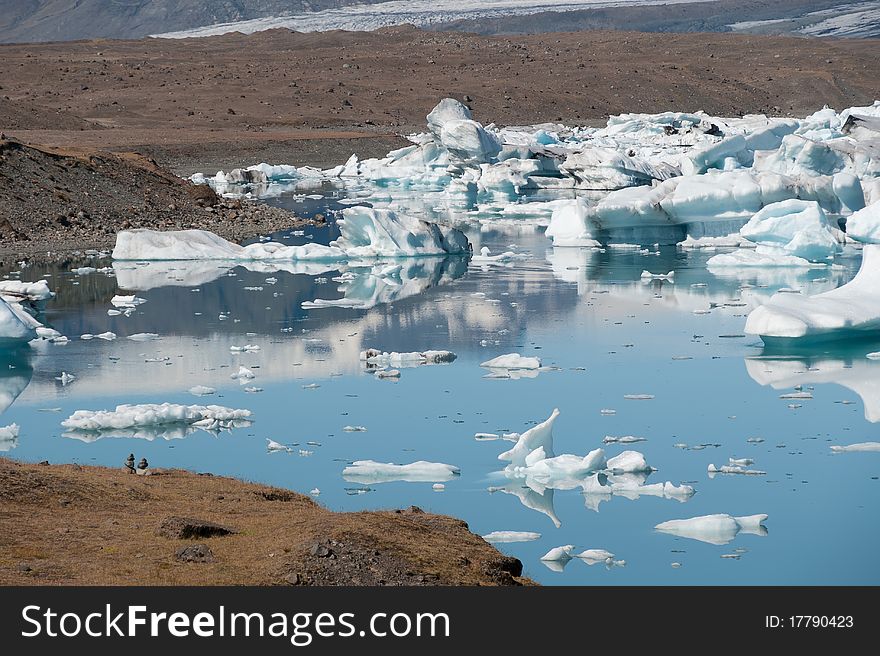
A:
[593,556]
[247,348]
[9,437]
[735,469]
[30,291]
[145,244]
[559,554]
[538,437]
[370,471]
[622,439]
[387,373]
[760,257]
[374,357]
[151,414]
[485,258]
[873,356]
[16,325]
[201,390]
[355,429]
[511,536]
[512,361]
[647,275]
[629,462]
[794,227]
[569,225]
[796,395]
[741,462]
[859,447]
[275,447]
[843,312]
[438,487]
[143,337]
[242,374]
[638,397]
[127,301]
[65,378]
[714,529]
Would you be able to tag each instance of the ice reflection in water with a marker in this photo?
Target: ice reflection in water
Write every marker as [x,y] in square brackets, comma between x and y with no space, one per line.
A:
[602,333]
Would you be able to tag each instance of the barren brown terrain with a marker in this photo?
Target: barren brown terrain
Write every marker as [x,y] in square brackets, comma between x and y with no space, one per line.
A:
[278,96]
[73,525]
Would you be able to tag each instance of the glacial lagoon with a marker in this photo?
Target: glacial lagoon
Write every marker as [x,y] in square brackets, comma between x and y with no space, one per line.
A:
[664,361]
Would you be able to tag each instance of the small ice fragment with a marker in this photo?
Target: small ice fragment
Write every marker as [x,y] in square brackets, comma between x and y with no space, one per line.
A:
[355,429]
[242,374]
[558,554]
[311,386]
[512,361]
[638,397]
[607,411]
[201,390]
[623,439]
[647,275]
[315,492]
[438,487]
[65,378]
[387,373]
[796,395]
[273,447]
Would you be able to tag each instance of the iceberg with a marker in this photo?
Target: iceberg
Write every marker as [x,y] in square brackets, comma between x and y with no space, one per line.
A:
[629,462]
[16,325]
[370,471]
[365,233]
[844,312]
[593,556]
[714,529]
[562,553]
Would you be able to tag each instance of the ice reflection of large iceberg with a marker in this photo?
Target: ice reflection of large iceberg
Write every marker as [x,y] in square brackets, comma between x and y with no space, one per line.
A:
[143,276]
[364,288]
[853,371]
[15,375]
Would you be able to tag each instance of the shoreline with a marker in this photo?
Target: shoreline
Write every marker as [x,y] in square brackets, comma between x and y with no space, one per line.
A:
[85,525]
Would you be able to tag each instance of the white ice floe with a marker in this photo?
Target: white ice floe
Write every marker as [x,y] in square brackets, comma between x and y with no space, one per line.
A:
[9,437]
[276,447]
[376,358]
[201,390]
[17,290]
[123,301]
[370,471]
[512,361]
[714,529]
[855,448]
[387,373]
[143,337]
[593,556]
[365,233]
[841,313]
[511,536]
[734,468]
[132,417]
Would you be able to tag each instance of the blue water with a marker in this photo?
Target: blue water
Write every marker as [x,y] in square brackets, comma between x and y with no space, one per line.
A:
[586,313]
